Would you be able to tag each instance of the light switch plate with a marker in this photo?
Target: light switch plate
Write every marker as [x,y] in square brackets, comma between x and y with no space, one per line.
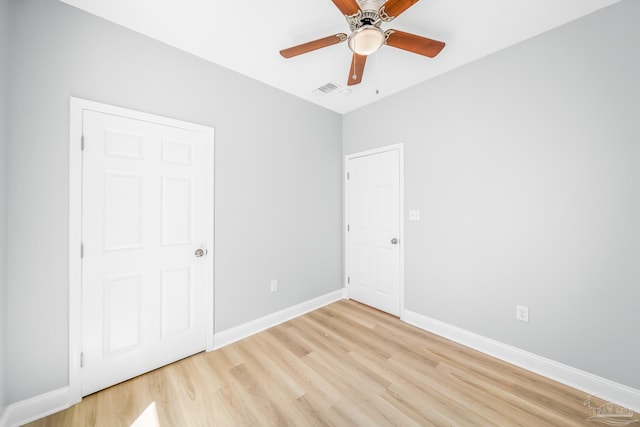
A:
[522,313]
[414,215]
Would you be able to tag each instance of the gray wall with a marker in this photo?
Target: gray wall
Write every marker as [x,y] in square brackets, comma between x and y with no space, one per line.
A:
[526,168]
[277,169]
[4,84]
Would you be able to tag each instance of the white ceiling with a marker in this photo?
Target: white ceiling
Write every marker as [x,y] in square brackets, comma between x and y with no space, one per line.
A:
[246,36]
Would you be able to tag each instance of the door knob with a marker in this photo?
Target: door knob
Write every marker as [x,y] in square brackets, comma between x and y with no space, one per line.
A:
[199,253]
[394,241]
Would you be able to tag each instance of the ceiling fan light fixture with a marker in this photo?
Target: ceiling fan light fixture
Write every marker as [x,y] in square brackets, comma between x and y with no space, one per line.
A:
[366,40]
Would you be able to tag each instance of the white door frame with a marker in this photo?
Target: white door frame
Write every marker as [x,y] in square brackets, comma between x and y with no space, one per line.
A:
[77,105]
[400,149]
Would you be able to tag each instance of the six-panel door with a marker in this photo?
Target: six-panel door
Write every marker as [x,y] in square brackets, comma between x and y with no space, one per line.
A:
[373,217]
[144,218]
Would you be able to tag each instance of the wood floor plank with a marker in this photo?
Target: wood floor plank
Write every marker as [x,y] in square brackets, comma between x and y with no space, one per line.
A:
[345,364]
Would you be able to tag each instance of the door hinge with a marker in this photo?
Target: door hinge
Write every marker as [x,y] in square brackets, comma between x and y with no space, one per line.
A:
[82,359]
[348,279]
[348,229]
[81,250]
[82,143]
[347,175]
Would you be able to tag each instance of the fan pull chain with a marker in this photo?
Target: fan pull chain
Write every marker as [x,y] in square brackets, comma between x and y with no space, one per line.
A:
[354,76]
[377,74]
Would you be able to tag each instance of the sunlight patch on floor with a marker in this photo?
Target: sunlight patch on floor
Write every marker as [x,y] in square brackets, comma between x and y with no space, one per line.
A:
[148,417]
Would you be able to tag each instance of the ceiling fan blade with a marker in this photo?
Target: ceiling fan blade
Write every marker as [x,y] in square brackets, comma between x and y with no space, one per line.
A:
[357,68]
[393,8]
[313,45]
[412,43]
[347,7]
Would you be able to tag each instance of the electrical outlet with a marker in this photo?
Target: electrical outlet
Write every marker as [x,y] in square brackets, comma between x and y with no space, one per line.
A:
[522,313]
[274,285]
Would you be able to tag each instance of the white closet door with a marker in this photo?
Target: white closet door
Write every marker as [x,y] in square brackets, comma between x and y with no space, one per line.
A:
[144,215]
[373,217]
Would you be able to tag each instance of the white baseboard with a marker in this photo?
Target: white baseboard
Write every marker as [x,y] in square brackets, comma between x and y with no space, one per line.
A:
[220,339]
[581,380]
[28,410]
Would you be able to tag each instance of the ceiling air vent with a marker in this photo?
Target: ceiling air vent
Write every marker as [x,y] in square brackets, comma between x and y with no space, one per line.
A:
[329,87]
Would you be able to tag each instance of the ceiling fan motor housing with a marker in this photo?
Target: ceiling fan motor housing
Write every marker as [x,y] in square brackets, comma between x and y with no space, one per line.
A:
[373,5]
[367,15]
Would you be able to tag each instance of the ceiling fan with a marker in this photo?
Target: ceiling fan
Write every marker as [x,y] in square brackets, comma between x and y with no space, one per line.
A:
[364,18]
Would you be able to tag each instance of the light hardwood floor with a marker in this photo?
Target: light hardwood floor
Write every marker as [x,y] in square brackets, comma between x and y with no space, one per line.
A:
[345,364]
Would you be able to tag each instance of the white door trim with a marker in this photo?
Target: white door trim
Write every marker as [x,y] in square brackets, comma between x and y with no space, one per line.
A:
[76,106]
[400,149]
